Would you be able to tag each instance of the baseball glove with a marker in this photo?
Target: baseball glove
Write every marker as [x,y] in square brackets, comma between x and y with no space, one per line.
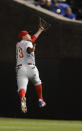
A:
[44,25]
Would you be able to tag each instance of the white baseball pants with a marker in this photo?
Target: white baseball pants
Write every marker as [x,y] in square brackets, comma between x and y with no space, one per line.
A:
[26,73]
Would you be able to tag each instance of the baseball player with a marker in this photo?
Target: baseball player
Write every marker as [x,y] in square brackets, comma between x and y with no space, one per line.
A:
[26,69]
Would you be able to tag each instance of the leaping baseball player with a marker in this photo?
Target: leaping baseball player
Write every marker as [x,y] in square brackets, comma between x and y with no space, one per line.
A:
[25,64]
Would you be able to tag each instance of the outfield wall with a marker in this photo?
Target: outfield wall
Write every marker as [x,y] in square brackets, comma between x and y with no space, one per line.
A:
[58,57]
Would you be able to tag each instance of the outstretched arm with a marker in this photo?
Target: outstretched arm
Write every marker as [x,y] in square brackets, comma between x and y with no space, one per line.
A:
[36,35]
[43,25]
[40,30]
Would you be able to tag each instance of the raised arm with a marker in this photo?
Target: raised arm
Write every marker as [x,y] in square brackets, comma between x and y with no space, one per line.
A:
[43,25]
[40,30]
[36,35]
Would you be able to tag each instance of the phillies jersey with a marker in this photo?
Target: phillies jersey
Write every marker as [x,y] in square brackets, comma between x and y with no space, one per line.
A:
[22,56]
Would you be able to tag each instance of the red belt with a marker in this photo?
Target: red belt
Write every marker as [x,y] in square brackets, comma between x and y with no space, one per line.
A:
[27,64]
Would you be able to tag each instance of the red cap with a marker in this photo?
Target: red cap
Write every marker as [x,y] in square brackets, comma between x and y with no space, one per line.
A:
[21,34]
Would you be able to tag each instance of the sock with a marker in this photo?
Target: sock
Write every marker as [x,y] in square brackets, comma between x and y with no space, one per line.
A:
[22,93]
[39,91]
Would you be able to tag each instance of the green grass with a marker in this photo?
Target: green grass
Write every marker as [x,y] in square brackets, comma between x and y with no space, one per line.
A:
[8,124]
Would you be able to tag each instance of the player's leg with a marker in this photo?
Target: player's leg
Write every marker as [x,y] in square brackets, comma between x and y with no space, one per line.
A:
[22,82]
[38,89]
[38,86]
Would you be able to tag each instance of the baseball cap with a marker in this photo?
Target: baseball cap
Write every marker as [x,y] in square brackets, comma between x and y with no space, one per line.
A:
[21,34]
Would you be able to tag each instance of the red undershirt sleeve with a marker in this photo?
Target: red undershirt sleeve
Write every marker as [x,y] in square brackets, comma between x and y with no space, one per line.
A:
[33,38]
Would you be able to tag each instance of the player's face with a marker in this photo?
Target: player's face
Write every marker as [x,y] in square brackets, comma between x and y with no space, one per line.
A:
[28,37]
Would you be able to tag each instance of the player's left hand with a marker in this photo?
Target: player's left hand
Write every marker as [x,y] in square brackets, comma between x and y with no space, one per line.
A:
[43,25]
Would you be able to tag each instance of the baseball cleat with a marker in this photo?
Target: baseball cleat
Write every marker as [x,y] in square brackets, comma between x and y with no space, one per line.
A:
[23,105]
[41,103]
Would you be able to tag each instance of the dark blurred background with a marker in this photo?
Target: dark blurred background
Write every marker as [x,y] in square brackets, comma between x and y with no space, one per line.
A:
[58,58]
[76,5]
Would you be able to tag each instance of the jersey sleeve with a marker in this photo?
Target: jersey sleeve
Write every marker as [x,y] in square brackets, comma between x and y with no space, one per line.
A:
[29,45]
[33,38]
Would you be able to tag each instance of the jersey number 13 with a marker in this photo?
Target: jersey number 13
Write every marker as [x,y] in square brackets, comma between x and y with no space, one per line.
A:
[19,53]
